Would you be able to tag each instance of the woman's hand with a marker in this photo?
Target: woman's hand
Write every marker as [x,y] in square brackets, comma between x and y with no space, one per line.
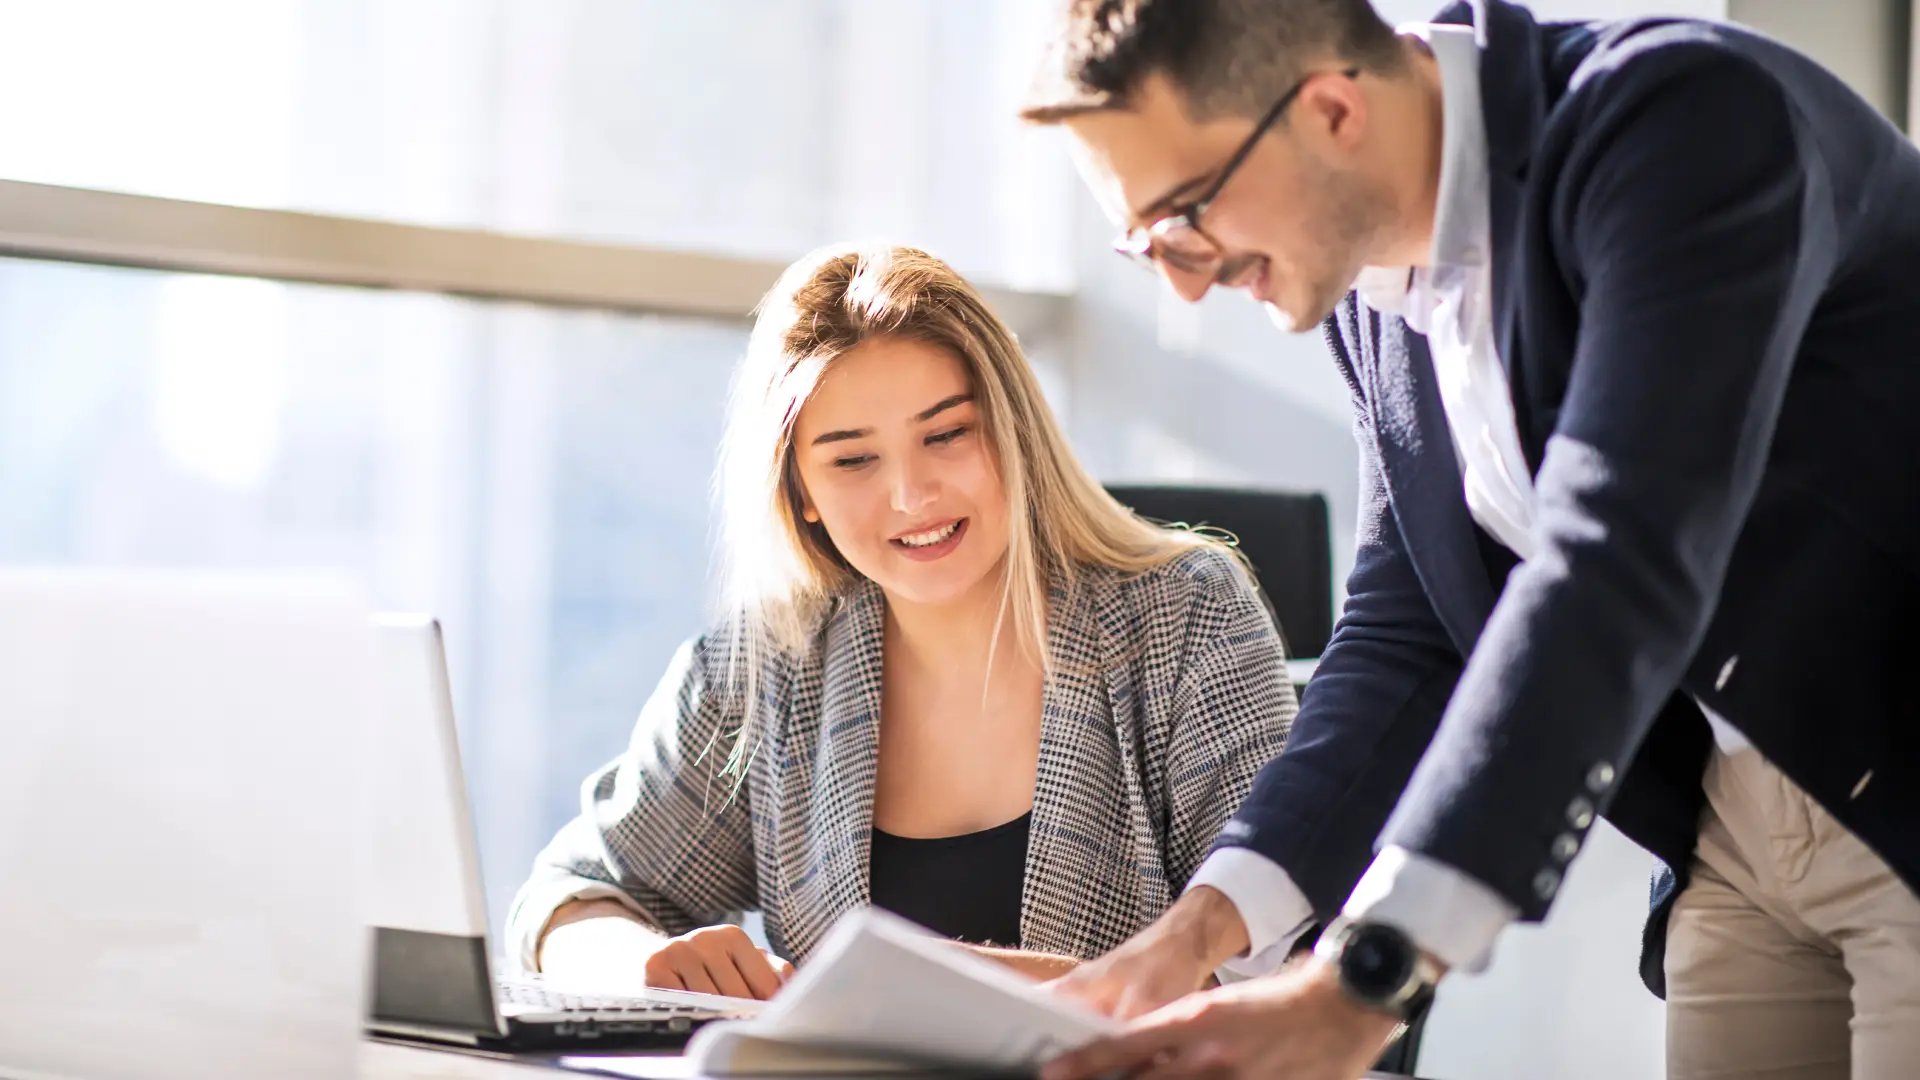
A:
[602,946]
[717,960]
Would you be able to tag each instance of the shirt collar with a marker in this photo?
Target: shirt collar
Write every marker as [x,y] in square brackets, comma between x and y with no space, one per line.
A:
[1460,220]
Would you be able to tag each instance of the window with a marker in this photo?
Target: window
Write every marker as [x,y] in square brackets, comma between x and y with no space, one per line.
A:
[759,128]
[538,478]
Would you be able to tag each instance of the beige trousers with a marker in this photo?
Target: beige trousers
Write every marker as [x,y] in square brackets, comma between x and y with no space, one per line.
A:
[1793,952]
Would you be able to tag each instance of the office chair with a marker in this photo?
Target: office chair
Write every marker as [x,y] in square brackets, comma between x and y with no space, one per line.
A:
[1283,534]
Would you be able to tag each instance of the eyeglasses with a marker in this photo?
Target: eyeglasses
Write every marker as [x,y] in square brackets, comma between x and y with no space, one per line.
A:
[1176,238]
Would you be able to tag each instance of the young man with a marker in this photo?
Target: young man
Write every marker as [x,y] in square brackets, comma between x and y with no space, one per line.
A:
[1634,341]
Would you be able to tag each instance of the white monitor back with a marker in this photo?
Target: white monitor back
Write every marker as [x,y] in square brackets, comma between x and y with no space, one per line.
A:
[181,807]
[425,870]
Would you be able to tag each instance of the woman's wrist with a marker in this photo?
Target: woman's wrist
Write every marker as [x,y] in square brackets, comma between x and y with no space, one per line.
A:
[578,911]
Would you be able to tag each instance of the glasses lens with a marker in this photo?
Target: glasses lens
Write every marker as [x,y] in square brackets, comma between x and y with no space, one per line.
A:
[1183,247]
[1137,246]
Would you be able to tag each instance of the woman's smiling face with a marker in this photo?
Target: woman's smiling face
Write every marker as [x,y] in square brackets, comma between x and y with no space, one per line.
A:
[893,462]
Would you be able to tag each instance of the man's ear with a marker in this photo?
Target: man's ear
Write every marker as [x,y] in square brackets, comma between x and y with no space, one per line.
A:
[1333,108]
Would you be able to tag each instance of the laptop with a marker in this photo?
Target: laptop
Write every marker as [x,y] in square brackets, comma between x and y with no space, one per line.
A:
[180,761]
[433,976]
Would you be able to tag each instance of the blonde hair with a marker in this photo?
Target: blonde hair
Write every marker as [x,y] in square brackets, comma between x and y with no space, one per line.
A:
[781,575]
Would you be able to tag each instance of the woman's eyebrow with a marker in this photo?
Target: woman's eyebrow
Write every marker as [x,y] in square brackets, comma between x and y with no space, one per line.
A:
[942,406]
[924,415]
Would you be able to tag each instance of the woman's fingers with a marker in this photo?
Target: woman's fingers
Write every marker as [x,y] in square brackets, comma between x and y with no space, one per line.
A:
[756,970]
[678,965]
[718,960]
[661,971]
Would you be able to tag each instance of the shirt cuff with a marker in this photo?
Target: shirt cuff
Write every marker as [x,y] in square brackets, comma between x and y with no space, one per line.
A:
[1444,911]
[1273,908]
[534,908]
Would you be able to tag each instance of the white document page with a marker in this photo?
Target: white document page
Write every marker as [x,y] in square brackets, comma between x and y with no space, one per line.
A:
[878,985]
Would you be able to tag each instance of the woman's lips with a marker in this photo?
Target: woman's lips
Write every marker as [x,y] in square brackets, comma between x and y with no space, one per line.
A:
[937,550]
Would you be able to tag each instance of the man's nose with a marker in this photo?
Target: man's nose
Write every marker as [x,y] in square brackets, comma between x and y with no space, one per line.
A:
[1189,285]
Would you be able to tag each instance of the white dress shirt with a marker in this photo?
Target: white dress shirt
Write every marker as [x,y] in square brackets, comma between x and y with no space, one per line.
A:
[1448,913]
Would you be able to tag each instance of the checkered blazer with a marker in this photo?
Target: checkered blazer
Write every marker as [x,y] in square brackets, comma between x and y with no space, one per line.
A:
[1170,692]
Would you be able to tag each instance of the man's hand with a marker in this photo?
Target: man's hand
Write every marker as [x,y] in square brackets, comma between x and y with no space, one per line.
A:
[1297,1024]
[1168,960]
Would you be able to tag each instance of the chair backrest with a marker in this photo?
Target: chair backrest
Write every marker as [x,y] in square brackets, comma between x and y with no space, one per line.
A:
[1285,536]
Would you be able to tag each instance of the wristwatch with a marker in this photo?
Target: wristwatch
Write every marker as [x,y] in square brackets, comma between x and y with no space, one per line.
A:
[1379,967]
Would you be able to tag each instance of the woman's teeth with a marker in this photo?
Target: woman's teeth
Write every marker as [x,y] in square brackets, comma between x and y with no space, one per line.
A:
[928,539]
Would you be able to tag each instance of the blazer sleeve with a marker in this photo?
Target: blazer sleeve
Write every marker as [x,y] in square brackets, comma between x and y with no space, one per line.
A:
[660,829]
[1698,234]
[1368,712]
[1233,705]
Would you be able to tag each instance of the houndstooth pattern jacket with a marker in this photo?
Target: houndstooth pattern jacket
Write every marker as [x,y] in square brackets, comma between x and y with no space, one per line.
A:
[1170,692]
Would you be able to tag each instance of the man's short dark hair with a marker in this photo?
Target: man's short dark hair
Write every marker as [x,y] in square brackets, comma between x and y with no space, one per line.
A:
[1229,57]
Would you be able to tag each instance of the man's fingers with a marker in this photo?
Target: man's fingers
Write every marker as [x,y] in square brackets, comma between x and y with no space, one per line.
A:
[1123,1053]
[1205,1058]
[1133,1005]
[1095,992]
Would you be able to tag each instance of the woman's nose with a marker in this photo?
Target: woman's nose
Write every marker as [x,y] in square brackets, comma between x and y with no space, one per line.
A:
[913,489]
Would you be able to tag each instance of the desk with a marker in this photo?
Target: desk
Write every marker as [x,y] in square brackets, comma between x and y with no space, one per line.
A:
[389,1061]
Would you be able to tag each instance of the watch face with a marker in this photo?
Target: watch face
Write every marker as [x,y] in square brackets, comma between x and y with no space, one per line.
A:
[1377,962]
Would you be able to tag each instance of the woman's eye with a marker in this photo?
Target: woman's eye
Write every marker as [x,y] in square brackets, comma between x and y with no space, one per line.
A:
[947,436]
[852,462]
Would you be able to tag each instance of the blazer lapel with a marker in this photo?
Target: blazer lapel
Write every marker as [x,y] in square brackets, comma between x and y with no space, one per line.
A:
[1081,780]
[1423,479]
[1514,104]
[827,781]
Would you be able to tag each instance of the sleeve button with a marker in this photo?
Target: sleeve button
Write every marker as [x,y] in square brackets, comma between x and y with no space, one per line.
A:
[1600,778]
[1565,847]
[1546,883]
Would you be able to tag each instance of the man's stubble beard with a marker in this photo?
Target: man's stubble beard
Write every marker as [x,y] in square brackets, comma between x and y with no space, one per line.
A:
[1355,217]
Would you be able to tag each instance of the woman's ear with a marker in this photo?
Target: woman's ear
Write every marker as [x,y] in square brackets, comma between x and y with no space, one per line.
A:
[797,493]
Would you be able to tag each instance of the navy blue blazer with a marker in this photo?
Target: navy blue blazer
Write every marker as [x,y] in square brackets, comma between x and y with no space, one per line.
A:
[1706,272]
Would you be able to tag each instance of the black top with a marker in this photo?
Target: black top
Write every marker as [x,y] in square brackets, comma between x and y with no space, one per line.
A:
[965,887]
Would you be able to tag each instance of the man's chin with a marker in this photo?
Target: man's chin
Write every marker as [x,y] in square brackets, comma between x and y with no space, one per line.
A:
[1294,323]
[1280,318]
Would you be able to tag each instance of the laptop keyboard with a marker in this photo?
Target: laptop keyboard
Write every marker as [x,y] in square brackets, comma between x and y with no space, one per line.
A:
[535,994]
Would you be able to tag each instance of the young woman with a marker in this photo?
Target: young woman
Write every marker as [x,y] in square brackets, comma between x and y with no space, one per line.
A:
[955,678]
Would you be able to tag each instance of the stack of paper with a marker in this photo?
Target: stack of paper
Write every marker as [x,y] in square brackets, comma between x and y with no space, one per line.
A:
[879,992]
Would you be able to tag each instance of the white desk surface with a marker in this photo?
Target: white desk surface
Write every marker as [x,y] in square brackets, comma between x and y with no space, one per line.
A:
[393,1061]
[389,1061]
